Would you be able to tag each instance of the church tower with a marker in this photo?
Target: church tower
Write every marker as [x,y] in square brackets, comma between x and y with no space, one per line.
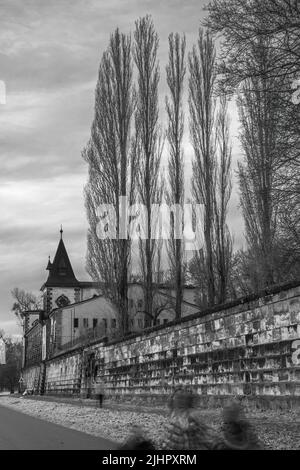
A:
[61,287]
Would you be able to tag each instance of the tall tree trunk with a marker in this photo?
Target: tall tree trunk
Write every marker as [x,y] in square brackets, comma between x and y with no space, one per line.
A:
[202,120]
[149,146]
[175,195]
[111,172]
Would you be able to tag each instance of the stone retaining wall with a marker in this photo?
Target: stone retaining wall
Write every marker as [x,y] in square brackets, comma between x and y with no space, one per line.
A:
[250,349]
[31,378]
[63,375]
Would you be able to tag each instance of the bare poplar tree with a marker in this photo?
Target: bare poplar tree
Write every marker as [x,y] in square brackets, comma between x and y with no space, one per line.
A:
[111,171]
[202,120]
[260,115]
[242,22]
[259,58]
[256,176]
[197,271]
[175,195]
[149,145]
[223,239]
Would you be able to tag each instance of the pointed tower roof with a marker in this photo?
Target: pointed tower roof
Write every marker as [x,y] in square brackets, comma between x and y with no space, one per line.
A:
[49,265]
[60,271]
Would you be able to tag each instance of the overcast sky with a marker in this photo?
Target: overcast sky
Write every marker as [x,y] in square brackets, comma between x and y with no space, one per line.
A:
[49,57]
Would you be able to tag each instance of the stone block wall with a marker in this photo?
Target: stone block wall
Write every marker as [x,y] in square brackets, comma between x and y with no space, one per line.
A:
[63,374]
[32,378]
[249,349]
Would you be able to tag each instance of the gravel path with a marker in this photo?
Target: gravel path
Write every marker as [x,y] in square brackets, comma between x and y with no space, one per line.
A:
[278,430]
[104,422]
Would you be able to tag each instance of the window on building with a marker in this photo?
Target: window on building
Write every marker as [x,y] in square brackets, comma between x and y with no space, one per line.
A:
[140,322]
[140,304]
[95,322]
[85,323]
[113,323]
[75,322]
[105,324]
[62,301]
[165,321]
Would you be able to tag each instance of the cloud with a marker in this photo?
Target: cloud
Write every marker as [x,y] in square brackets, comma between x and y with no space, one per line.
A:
[49,58]
[29,232]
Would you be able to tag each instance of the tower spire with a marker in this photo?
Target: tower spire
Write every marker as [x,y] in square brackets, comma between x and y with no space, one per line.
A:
[49,265]
[60,270]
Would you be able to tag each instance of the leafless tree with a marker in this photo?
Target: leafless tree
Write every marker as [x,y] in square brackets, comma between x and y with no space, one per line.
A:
[160,305]
[24,301]
[222,193]
[242,22]
[197,272]
[149,142]
[111,171]
[259,115]
[176,70]
[260,50]
[248,25]
[202,120]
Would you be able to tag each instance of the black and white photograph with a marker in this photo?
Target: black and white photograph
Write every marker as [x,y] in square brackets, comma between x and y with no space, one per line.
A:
[150,228]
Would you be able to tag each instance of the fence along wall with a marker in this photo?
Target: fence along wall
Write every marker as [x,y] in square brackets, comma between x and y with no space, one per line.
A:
[251,350]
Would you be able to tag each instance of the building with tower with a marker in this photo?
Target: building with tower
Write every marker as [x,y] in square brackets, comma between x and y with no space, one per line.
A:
[76,312]
[62,288]
[44,328]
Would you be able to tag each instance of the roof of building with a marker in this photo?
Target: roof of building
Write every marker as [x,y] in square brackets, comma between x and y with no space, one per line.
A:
[91,284]
[186,302]
[60,271]
[162,285]
[36,324]
[95,297]
[33,312]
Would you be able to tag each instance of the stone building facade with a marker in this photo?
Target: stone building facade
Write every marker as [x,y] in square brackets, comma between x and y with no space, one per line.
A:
[34,345]
[91,318]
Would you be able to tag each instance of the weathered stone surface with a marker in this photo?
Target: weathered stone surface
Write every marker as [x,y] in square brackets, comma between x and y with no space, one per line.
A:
[251,349]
